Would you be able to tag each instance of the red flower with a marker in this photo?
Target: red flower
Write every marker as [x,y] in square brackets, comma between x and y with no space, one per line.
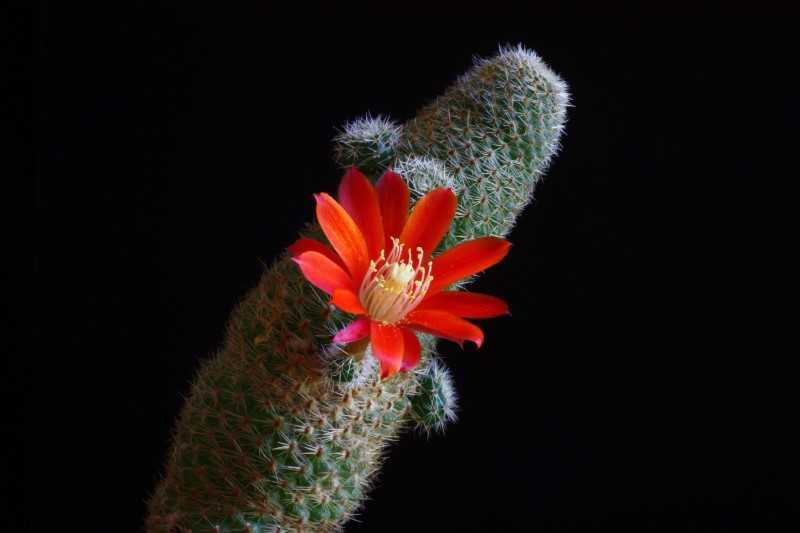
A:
[382,272]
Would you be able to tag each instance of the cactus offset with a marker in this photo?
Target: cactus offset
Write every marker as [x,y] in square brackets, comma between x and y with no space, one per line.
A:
[283,430]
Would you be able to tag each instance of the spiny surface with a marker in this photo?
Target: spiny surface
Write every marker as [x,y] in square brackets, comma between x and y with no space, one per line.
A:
[494,131]
[267,439]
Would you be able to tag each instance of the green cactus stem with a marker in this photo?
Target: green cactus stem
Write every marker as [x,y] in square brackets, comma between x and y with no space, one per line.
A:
[284,431]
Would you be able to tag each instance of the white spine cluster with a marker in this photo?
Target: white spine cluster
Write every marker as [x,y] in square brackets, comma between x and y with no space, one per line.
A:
[423,174]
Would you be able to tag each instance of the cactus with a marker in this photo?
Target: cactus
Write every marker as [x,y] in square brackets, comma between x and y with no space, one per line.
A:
[282,429]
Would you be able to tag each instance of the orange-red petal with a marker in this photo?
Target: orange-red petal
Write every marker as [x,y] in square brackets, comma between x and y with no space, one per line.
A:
[412,351]
[466,259]
[429,221]
[445,325]
[310,245]
[465,304]
[359,199]
[323,272]
[343,234]
[348,301]
[394,199]
[387,347]
[356,331]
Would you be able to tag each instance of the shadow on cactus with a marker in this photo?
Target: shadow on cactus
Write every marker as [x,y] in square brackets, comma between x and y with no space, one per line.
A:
[332,354]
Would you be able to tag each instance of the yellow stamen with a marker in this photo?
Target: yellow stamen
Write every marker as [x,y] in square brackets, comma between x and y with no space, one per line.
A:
[393,286]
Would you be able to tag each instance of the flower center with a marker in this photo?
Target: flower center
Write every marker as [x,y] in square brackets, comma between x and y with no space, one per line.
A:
[393,286]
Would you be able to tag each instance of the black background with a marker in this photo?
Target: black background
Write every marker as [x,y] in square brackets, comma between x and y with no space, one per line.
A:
[178,148]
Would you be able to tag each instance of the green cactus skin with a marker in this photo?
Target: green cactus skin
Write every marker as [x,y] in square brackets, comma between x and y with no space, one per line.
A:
[282,431]
[435,402]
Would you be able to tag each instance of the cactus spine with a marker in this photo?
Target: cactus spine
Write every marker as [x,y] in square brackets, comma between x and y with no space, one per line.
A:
[281,430]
